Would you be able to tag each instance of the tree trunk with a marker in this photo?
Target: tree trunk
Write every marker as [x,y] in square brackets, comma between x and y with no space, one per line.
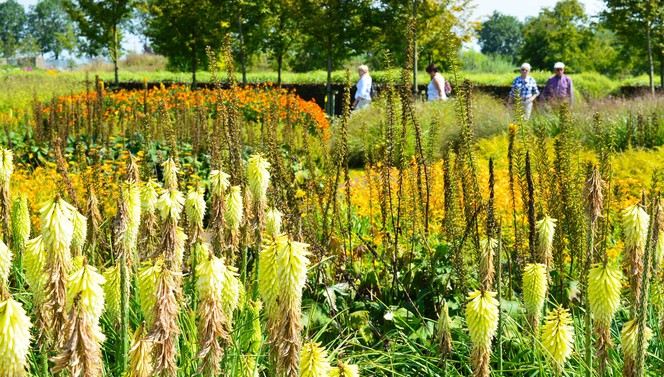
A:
[194,66]
[651,65]
[115,54]
[328,86]
[242,58]
[661,70]
[280,60]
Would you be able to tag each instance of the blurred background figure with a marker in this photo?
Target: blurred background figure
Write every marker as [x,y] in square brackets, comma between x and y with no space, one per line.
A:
[527,90]
[363,93]
[436,87]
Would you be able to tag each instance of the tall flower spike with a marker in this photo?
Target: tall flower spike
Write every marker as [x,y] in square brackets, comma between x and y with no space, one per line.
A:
[234,208]
[170,205]
[148,276]
[482,319]
[214,325]
[87,283]
[195,205]
[314,361]
[558,336]
[258,177]
[57,232]
[219,183]
[345,370]
[14,339]
[635,222]
[170,174]
[5,264]
[534,291]
[81,355]
[21,220]
[80,232]
[6,165]
[140,360]
[273,222]
[292,265]
[630,339]
[132,196]
[594,196]
[545,229]
[604,285]
[149,196]
[165,331]
[34,262]
[112,293]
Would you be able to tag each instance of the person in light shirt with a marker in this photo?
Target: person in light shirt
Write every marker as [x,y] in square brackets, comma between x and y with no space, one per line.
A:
[436,88]
[363,93]
[526,86]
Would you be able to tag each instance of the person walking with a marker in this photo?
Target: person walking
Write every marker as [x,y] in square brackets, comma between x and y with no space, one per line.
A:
[436,87]
[363,93]
[526,87]
[559,87]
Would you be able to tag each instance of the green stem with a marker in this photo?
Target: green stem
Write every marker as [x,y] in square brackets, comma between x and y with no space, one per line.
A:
[588,319]
[499,269]
[124,317]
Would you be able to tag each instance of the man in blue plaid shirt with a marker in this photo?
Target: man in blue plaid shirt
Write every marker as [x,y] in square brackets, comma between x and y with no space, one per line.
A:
[527,89]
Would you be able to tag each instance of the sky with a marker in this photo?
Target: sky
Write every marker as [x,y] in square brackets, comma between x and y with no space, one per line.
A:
[519,8]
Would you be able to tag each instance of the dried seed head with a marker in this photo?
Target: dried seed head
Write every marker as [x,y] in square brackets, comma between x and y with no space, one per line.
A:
[345,370]
[234,208]
[86,285]
[545,231]
[534,289]
[218,183]
[140,360]
[488,248]
[170,174]
[14,339]
[604,285]
[444,331]
[482,317]
[594,197]
[558,336]
[273,222]
[258,177]
[630,338]
[195,205]
[5,264]
[314,361]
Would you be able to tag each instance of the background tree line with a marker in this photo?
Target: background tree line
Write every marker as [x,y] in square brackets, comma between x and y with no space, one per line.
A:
[301,35]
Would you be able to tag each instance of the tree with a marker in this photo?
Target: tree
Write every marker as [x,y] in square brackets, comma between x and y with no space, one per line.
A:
[501,35]
[560,34]
[332,31]
[12,27]
[638,21]
[246,19]
[182,29]
[281,28]
[50,25]
[100,22]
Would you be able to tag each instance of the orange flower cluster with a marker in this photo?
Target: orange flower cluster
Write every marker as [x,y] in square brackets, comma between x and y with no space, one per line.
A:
[254,102]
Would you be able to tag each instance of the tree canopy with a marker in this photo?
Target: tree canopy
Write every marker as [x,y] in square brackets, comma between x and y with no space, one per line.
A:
[501,35]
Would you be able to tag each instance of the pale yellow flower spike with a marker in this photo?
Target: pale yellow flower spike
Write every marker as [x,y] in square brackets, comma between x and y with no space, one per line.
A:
[314,361]
[14,339]
[604,286]
[558,336]
[482,317]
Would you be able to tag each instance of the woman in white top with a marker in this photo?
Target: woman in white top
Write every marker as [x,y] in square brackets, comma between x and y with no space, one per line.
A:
[436,88]
[363,93]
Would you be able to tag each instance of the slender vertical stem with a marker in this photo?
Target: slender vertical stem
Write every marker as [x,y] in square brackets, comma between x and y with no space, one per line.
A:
[499,287]
[124,318]
[588,318]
